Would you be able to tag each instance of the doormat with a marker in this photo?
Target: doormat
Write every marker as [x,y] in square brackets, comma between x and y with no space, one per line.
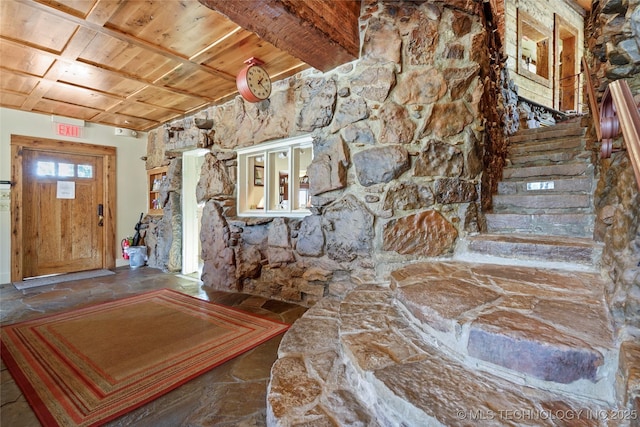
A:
[94,364]
[60,278]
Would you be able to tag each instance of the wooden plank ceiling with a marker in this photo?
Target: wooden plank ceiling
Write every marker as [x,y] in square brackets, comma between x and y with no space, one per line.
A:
[138,64]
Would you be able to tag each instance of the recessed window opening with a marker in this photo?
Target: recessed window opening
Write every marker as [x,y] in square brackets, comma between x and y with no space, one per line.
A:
[272,178]
[534,49]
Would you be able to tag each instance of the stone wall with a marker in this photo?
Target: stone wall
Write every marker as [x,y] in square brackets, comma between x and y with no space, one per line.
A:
[163,234]
[613,41]
[613,28]
[399,144]
[500,106]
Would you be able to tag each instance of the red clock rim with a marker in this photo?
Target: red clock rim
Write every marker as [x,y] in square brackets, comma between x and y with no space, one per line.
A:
[243,87]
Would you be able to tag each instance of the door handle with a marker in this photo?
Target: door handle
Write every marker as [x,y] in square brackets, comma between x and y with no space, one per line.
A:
[100,215]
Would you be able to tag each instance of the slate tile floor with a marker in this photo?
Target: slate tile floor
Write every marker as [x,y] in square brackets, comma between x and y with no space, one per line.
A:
[232,394]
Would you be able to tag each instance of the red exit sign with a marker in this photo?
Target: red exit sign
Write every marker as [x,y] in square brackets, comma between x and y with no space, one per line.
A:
[64,129]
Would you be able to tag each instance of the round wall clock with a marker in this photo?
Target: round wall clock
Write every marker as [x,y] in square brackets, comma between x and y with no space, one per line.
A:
[253,81]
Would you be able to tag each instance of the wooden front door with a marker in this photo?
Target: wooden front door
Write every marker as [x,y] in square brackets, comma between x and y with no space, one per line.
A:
[63,204]
[62,195]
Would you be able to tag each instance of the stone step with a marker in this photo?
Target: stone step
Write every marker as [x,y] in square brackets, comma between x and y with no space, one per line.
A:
[544,157]
[570,123]
[532,346]
[366,360]
[572,145]
[566,169]
[440,390]
[548,157]
[546,185]
[541,203]
[568,224]
[534,247]
[557,131]
[520,318]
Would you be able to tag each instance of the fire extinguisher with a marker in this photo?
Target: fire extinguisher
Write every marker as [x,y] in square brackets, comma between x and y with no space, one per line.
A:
[125,248]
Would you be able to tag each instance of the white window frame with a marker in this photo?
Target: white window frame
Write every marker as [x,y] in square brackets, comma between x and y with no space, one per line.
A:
[246,179]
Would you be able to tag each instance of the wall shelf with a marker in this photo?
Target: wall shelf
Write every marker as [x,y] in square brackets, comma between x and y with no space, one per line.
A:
[155,179]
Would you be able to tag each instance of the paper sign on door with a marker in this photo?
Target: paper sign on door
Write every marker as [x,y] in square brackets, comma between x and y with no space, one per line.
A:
[66,190]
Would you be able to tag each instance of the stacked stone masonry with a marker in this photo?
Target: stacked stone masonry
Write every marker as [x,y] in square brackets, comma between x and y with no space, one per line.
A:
[406,155]
[398,159]
[613,44]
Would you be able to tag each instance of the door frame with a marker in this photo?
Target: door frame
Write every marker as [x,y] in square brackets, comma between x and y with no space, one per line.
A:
[190,225]
[562,27]
[108,154]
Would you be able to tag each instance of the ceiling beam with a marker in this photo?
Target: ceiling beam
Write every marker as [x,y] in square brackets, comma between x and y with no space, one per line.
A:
[98,28]
[76,45]
[324,34]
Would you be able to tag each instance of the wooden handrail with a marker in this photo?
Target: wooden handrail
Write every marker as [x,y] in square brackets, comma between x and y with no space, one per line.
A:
[593,101]
[629,118]
[619,112]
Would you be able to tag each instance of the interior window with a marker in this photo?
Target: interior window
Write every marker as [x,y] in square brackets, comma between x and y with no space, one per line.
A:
[534,49]
[274,177]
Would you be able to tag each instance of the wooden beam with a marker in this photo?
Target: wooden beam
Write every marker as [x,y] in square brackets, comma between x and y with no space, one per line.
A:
[102,11]
[324,34]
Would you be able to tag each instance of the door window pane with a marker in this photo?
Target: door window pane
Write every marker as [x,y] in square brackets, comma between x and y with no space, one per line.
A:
[85,171]
[66,170]
[45,168]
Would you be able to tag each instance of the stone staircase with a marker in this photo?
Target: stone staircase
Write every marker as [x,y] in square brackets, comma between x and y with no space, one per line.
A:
[543,211]
[515,330]
[453,344]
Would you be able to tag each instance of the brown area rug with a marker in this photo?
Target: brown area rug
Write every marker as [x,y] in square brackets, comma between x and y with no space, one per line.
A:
[91,365]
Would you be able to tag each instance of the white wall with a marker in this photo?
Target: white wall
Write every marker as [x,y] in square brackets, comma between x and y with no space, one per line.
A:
[131,174]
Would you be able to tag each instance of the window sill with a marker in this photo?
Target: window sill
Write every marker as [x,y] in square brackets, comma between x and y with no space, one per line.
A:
[274,214]
[534,78]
